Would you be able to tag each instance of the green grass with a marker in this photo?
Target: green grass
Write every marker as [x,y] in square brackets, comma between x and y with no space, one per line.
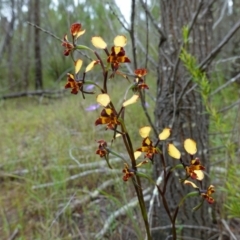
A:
[36,139]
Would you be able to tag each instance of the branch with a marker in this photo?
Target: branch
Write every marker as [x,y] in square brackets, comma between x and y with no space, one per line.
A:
[229,106]
[14,234]
[228,229]
[154,195]
[160,31]
[203,65]
[221,15]
[93,195]
[185,226]
[84,174]
[232,80]
[62,210]
[132,33]
[32,93]
[92,165]
[116,15]
[45,31]
[122,211]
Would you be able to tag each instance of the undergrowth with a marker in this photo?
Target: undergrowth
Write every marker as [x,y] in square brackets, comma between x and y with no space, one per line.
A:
[43,146]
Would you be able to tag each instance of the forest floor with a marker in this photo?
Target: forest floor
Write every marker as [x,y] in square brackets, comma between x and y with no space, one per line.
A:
[49,169]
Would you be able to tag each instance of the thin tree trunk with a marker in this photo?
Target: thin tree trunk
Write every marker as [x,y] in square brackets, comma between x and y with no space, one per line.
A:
[27,63]
[37,47]
[188,118]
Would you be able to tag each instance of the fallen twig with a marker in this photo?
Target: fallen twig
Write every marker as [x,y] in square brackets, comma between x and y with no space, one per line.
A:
[62,210]
[120,212]
[50,184]
[228,229]
[14,234]
[154,195]
[46,93]
[93,195]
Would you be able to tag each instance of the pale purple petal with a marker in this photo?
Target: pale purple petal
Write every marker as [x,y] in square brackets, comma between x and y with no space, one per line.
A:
[92,107]
[90,87]
[146,104]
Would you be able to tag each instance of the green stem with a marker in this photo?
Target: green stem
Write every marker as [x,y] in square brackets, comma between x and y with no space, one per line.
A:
[128,143]
[138,189]
[115,154]
[82,47]
[107,160]
[137,185]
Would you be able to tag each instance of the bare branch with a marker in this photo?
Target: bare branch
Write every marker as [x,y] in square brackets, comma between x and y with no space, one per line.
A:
[229,107]
[132,33]
[116,15]
[14,234]
[228,229]
[160,31]
[186,226]
[221,15]
[120,212]
[154,195]
[93,195]
[45,31]
[232,80]
[46,93]
[62,210]
[203,65]
[83,174]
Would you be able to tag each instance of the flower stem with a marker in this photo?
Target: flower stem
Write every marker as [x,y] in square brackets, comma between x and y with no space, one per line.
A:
[138,189]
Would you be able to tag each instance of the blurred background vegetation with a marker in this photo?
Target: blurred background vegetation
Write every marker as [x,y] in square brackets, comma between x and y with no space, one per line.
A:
[48,139]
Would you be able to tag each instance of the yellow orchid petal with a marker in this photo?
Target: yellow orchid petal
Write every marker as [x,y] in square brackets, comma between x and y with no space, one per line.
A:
[190,183]
[78,65]
[190,146]
[144,131]
[103,99]
[200,174]
[98,42]
[117,50]
[120,41]
[173,151]
[80,34]
[141,163]
[108,111]
[137,154]
[90,66]
[164,134]
[131,100]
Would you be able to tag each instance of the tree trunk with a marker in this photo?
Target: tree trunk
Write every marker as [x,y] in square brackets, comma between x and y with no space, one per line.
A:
[37,47]
[187,119]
